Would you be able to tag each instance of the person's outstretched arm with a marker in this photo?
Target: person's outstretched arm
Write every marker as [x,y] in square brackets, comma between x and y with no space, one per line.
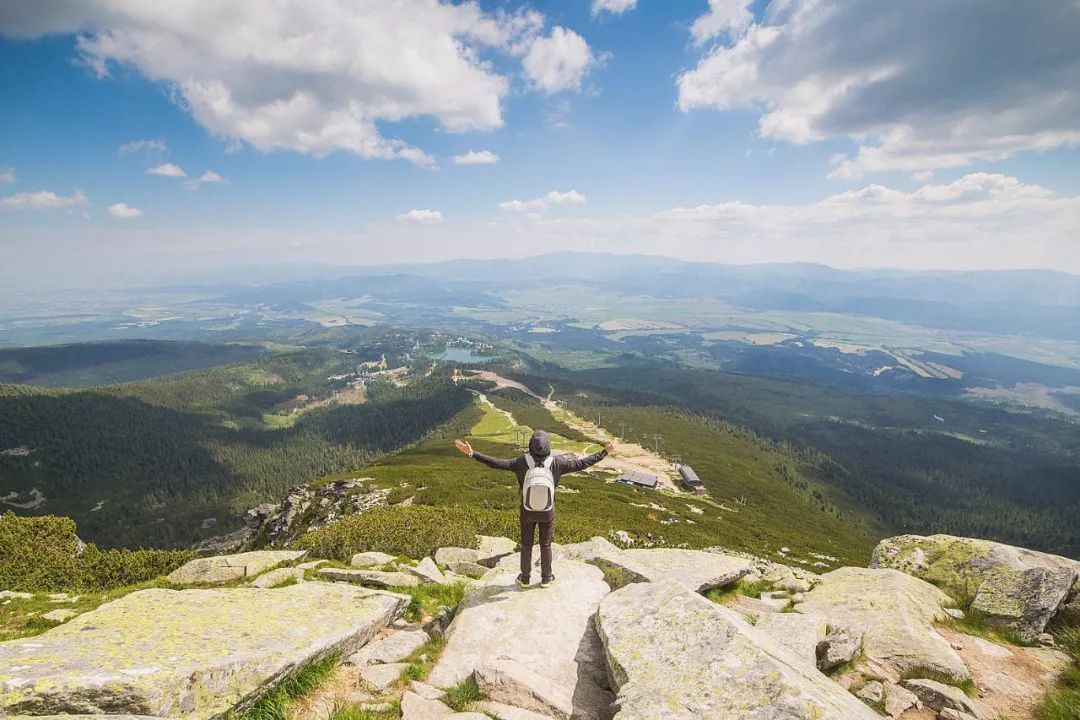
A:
[491,462]
[569,466]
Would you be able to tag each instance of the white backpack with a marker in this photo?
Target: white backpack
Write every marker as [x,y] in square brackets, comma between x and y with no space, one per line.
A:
[538,490]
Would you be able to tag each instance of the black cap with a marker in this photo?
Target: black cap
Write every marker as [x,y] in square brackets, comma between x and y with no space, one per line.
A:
[540,444]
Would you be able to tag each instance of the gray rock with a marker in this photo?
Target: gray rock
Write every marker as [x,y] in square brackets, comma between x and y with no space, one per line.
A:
[380,677]
[548,632]
[277,577]
[797,632]
[871,692]
[424,690]
[898,700]
[59,615]
[225,568]
[1045,640]
[501,711]
[376,707]
[940,696]
[493,549]
[445,556]
[841,644]
[469,716]
[955,613]
[778,604]
[697,570]
[896,614]
[669,648]
[389,648]
[311,564]
[372,578]
[417,707]
[950,714]
[1016,589]
[427,571]
[13,595]
[370,559]
[509,681]
[468,569]
[195,653]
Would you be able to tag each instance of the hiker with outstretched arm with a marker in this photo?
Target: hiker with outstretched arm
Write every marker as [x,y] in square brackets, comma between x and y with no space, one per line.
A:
[538,474]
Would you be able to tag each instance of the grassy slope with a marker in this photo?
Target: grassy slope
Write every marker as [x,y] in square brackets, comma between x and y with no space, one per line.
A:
[776,515]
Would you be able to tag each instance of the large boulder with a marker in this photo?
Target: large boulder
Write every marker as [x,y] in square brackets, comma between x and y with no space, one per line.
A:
[896,614]
[372,578]
[187,654]
[225,568]
[799,633]
[1017,589]
[697,570]
[537,647]
[673,654]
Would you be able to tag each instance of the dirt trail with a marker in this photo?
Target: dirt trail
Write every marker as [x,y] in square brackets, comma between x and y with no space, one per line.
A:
[629,457]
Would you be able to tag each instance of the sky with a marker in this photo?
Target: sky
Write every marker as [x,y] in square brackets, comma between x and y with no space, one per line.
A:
[146,141]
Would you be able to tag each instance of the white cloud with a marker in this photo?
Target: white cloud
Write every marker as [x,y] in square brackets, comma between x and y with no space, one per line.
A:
[7,175]
[207,177]
[923,176]
[476,157]
[42,200]
[615,7]
[421,216]
[915,86]
[167,170]
[559,61]
[553,197]
[150,146]
[316,76]
[724,17]
[124,211]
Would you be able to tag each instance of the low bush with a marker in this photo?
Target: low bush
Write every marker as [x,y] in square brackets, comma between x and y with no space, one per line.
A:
[414,531]
[42,554]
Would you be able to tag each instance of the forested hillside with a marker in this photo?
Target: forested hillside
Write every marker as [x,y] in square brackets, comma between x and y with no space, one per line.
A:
[916,464]
[150,463]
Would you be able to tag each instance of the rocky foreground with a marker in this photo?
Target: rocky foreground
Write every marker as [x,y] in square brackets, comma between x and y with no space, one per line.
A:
[624,634]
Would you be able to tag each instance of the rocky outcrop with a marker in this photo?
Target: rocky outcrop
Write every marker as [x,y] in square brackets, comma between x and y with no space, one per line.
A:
[533,646]
[371,578]
[940,696]
[895,613]
[190,654]
[281,576]
[391,648]
[676,655]
[1017,589]
[226,568]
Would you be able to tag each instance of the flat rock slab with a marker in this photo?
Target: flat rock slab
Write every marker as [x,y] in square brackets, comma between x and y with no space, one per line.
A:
[225,568]
[895,613]
[417,707]
[675,655]
[427,571]
[277,577]
[699,571]
[549,632]
[1017,589]
[380,677]
[389,648]
[189,654]
[372,578]
[492,549]
[370,559]
[799,633]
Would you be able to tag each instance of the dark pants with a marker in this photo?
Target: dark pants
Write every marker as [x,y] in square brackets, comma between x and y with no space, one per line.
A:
[547,529]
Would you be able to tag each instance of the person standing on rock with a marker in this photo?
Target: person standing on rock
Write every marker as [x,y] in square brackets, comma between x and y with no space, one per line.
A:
[538,474]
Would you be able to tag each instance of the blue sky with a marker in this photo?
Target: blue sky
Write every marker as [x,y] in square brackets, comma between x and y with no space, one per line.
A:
[854,134]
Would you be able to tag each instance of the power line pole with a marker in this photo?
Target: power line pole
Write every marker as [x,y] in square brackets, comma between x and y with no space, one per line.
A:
[657,438]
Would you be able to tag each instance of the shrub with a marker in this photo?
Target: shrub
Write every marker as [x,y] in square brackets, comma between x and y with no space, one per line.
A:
[414,531]
[39,554]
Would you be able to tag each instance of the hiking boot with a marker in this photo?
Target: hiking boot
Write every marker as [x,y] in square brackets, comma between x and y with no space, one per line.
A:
[546,582]
[523,581]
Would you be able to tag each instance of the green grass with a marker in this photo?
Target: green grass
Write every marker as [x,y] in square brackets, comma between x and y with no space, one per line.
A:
[274,705]
[353,712]
[976,623]
[1063,701]
[740,587]
[463,694]
[967,686]
[430,598]
[423,659]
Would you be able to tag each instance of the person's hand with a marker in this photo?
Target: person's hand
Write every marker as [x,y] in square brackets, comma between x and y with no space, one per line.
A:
[610,447]
[464,447]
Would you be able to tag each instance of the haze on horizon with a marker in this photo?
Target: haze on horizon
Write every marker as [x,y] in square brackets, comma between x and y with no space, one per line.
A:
[143,141]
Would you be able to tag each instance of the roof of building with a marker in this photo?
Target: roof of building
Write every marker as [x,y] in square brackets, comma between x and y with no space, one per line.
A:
[689,475]
[640,478]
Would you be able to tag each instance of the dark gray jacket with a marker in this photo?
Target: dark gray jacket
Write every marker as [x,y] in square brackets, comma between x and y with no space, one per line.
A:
[561,466]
